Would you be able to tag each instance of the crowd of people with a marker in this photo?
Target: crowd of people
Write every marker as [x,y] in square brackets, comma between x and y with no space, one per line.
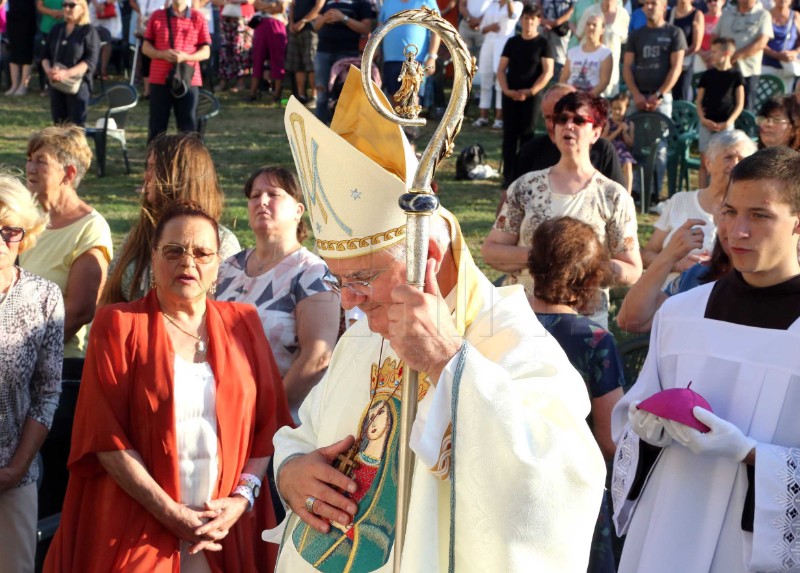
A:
[293,47]
[208,370]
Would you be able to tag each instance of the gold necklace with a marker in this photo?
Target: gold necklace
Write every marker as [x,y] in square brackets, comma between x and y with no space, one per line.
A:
[200,345]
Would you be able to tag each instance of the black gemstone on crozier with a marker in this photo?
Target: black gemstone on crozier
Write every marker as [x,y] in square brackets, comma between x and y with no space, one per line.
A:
[418,202]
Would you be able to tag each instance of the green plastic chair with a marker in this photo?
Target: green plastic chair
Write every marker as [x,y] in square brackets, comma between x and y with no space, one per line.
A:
[650,129]
[747,123]
[768,86]
[633,353]
[684,116]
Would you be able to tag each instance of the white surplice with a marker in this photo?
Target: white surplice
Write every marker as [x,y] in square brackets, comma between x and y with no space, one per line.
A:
[529,475]
[688,517]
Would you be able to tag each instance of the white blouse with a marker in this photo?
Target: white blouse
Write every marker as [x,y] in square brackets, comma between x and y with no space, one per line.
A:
[195,397]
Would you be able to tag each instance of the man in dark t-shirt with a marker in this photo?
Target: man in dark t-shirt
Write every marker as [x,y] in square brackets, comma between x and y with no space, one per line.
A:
[651,67]
[340,25]
[526,66]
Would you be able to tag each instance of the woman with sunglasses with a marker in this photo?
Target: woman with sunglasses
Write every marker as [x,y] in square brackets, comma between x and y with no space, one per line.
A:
[173,428]
[285,282]
[32,319]
[72,52]
[779,123]
[178,168]
[574,188]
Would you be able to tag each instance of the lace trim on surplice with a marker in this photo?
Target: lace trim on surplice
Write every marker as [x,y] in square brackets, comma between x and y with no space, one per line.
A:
[787,549]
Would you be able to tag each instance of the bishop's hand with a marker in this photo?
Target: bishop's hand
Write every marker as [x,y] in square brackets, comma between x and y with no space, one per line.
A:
[421,328]
[312,475]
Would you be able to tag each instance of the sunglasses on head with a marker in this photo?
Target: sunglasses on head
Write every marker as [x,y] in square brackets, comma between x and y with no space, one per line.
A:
[12,234]
[577,119]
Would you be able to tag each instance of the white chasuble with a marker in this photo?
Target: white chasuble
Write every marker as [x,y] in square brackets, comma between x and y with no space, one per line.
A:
[529,476]
[688,516]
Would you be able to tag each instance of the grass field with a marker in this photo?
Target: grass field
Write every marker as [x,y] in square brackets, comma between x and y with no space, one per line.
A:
[241,138]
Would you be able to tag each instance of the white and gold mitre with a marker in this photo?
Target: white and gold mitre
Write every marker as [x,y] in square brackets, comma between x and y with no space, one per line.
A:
[352,173]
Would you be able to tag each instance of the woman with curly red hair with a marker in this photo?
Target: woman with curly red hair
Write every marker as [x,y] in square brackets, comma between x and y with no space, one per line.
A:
[572,187]
[570,265]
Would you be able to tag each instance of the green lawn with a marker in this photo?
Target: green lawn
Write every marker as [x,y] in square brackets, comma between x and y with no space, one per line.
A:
[242,137]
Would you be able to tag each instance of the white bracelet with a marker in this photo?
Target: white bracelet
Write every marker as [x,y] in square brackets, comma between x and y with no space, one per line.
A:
[434,56]
[246,493]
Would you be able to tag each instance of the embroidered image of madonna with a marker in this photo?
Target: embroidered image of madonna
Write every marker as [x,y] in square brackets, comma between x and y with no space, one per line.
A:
[366,544]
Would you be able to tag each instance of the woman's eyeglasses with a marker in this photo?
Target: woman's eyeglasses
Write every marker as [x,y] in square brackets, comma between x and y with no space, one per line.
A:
[761,120]
[577,119]
[12,234]
[359,284]
[172,253]
[69,5]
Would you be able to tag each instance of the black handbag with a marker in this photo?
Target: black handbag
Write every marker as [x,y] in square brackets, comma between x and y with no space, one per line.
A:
[255,21]
[561,30]
[179,79]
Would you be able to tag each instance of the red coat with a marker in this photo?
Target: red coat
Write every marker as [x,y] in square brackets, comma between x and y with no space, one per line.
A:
[126,403]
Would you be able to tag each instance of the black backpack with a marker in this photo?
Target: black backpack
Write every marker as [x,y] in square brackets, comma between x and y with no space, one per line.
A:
[469,158]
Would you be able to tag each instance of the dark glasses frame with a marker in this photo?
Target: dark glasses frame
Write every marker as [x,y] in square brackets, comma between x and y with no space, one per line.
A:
[12,234]
[577,119]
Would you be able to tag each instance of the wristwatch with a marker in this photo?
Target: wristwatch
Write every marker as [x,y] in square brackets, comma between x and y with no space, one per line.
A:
[659,95]
[345,19]
[249,487]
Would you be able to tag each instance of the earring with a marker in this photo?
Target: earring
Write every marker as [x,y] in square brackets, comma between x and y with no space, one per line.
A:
[213,290]
[152,279]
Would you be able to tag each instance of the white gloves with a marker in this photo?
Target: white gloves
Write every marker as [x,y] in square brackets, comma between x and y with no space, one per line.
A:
[724,439]
[648,426]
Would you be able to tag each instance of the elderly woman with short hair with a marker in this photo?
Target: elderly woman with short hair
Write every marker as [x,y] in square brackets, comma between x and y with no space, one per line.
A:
[32,323]
[725,150]
[76,247]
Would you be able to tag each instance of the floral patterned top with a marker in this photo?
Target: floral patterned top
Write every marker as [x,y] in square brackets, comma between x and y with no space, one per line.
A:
[275,294]
[32,323]
[590,348]
[603,204]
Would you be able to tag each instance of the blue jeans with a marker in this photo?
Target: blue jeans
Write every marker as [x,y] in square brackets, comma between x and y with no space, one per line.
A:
[322,73]
[665,107]
[750,87]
